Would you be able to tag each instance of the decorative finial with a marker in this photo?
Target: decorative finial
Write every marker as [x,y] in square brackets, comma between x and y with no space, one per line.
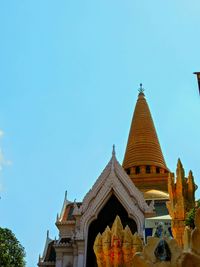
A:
[113,151]
[48,234]
[198,79]
[66,195]
[141,89]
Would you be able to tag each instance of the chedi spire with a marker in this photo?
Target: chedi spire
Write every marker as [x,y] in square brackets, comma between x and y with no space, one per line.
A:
[143,153]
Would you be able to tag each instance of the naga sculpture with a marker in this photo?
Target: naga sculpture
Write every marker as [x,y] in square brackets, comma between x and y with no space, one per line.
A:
[116,247]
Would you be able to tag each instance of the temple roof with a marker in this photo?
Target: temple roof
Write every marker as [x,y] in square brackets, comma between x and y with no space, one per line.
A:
[67,210]
[112,178]
[143,146]
[49,255]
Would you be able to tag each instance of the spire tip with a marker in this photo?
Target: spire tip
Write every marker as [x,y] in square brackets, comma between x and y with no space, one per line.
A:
[141,90]
[66,195]
[113,151]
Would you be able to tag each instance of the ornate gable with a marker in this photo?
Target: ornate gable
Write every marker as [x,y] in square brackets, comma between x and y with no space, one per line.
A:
[113,180]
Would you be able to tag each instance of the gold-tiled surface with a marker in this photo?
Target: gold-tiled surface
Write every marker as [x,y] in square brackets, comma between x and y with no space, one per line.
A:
[143,146]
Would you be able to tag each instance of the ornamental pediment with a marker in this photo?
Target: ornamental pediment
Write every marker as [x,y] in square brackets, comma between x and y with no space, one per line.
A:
[113,180]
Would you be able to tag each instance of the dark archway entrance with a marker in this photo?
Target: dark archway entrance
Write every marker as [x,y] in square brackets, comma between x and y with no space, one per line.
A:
[106,217]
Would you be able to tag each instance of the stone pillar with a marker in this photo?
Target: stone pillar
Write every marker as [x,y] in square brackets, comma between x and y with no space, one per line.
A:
[59,259]
[75,253]
[81,251]
[162,170]
[75,263]
[153,169]
[133,170]
[143,169]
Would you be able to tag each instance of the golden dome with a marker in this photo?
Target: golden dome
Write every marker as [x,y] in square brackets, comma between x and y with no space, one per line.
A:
[155,194]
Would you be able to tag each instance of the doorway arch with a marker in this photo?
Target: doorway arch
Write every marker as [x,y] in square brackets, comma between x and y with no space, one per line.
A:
[106,217]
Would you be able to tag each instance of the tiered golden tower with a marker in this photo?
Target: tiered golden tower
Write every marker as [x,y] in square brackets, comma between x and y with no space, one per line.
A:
[143,160]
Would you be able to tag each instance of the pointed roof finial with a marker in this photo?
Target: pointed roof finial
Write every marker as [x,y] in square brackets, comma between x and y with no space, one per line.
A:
[198,79]
[48,234]
[66,195]
[141,90]
[113,151]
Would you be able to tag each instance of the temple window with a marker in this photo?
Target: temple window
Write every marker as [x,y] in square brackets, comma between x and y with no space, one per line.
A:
[137,170]
[157,170]
[148,169]
[128,171]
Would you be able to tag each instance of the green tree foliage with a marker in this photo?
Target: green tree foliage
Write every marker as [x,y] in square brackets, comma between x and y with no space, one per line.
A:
[190,216]
[12,253]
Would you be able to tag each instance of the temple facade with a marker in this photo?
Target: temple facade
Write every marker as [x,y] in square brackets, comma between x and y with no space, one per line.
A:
[134,191]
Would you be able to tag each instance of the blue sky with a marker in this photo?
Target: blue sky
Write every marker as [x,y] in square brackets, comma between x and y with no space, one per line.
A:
[69,74]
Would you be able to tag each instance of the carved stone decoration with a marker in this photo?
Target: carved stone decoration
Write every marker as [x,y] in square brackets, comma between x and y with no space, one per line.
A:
[187,238]
[189,260]
[192,256]
[195,237]
[137,243]
[116,247]
[119,250]
[162,251]
[106,245]
[127,247]
[77,211]
[150,258]
[181,194]
[99,251]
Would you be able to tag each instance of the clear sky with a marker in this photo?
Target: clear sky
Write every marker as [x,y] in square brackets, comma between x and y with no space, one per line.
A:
[69,74]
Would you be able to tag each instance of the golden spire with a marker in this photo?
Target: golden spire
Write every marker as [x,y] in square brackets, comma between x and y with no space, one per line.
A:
[143,147]
[143,160]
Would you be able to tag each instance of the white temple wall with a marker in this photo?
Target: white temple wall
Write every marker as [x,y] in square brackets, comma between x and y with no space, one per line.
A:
[68,261]
[81,253]
[59,263]
[66,230]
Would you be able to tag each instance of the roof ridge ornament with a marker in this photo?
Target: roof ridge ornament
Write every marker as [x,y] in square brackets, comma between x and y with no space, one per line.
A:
[47,234]
[141,90]
[197,73]
[66,195]
[113,158]
[113,151]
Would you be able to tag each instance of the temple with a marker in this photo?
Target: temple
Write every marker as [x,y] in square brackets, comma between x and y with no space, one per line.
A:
[136,191]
